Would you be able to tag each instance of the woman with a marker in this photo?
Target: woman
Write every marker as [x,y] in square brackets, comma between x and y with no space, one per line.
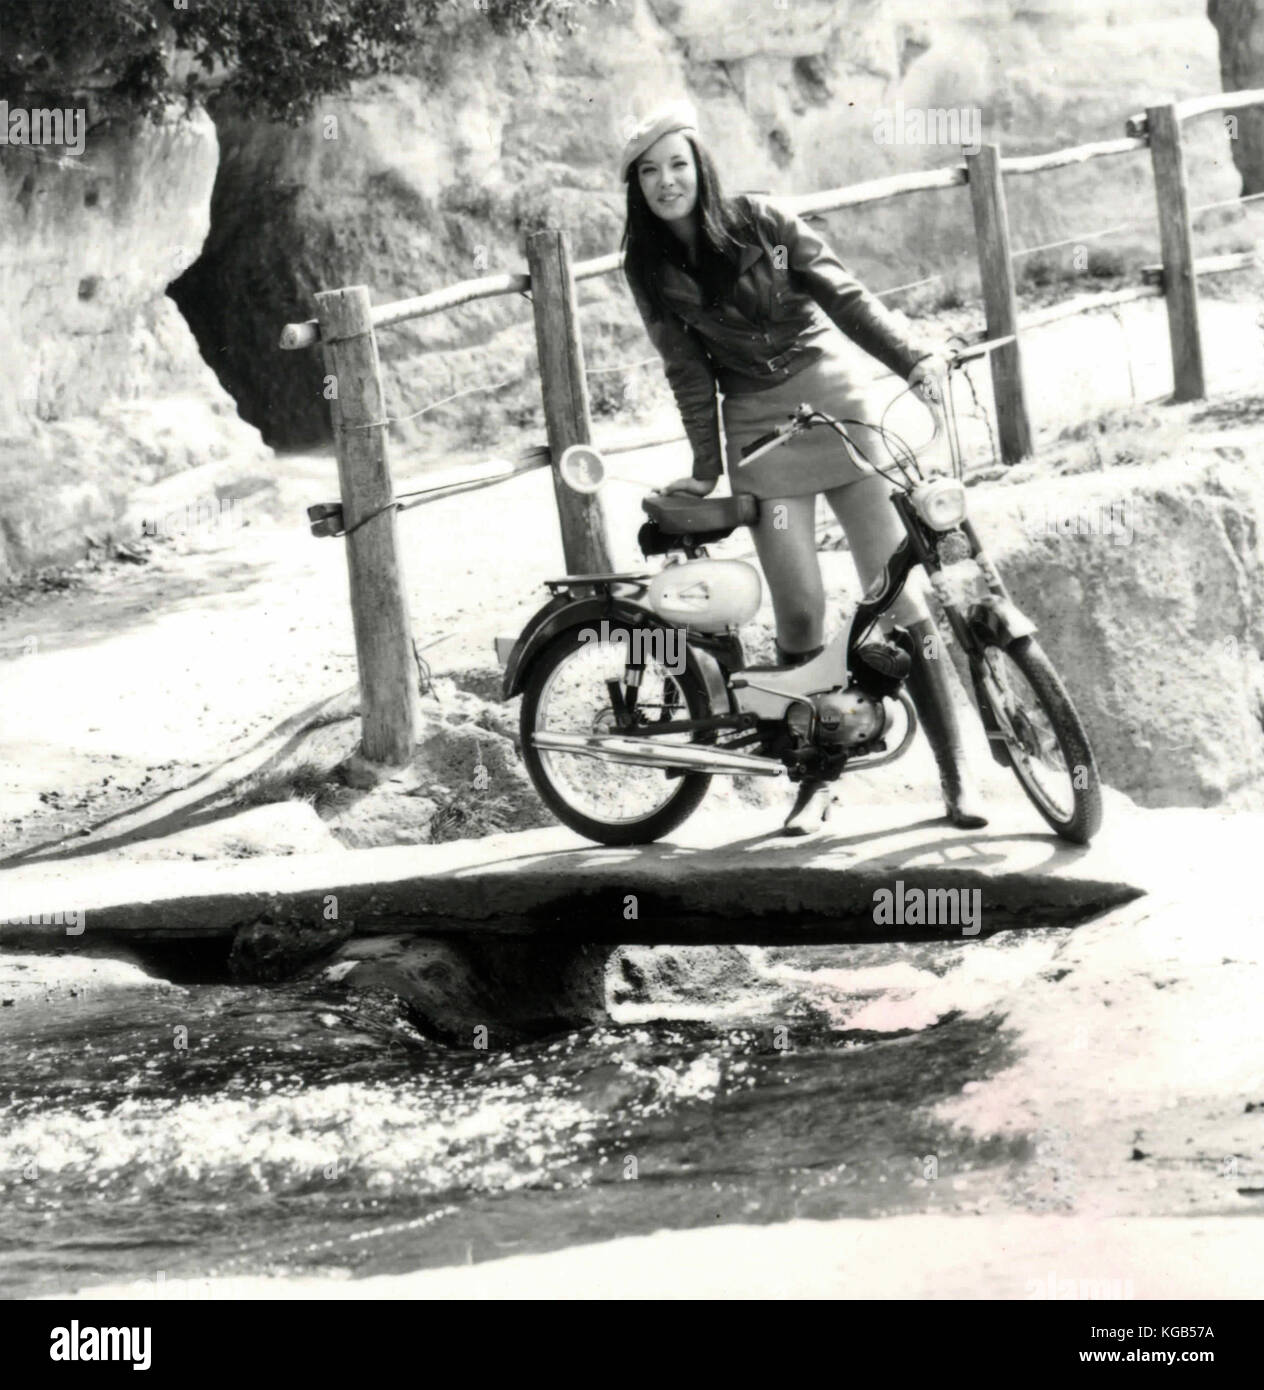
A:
[739,294]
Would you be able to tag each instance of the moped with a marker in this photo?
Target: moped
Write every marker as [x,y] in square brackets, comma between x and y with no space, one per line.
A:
[636,690]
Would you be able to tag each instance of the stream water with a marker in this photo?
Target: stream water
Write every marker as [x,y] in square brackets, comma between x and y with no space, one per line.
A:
[218,1129]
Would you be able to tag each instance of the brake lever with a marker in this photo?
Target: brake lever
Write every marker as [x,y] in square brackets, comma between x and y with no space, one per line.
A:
[798,423]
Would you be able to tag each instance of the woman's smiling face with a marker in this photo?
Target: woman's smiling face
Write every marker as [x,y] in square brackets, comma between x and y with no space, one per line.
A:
[669,178]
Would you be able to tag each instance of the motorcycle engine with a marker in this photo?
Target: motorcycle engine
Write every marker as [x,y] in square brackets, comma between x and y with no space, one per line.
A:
[843,719]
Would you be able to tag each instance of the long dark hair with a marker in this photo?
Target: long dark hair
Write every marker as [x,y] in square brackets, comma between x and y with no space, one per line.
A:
[649,243]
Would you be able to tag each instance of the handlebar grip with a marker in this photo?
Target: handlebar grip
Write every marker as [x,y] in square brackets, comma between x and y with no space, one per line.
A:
[760,442]
[972,352]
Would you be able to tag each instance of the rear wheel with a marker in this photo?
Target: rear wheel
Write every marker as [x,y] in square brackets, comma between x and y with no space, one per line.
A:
[1048,747]
[568,691]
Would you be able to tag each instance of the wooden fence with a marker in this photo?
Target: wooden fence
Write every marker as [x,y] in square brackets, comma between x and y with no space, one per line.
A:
[346,325]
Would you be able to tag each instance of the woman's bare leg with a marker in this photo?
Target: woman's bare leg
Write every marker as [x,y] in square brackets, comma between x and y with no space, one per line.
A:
[785,541]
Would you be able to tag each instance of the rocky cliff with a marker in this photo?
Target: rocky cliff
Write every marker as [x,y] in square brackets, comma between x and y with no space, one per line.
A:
[103,389]
[421,179]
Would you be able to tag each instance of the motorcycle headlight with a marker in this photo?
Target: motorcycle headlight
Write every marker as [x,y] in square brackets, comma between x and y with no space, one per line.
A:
[941,503]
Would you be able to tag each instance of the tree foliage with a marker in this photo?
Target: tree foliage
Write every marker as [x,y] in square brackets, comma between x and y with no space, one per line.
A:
[275,56]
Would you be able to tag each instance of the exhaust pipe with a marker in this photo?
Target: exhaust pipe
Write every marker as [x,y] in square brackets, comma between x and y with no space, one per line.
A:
[692,757]
[642,752]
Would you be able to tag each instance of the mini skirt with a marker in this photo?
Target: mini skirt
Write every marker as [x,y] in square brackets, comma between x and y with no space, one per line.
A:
[817,459]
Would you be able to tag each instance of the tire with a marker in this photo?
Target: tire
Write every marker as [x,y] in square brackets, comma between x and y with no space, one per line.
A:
[690,787]
[1085,817]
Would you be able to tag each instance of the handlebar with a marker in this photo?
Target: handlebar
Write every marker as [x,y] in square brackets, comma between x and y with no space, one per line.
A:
[805,416]
[802,419]
[759,443]
[958,356]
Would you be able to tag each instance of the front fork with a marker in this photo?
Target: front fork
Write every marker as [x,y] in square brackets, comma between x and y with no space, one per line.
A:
[997,616]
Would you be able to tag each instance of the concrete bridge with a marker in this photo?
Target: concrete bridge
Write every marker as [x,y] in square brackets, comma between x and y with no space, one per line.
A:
[723,879]
[518,929]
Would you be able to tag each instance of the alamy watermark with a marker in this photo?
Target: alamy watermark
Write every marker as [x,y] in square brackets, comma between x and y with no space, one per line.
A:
[67,128]
[663,645]
[73,921]
[207,1287]
[206,514]
[1114,518]
[1054,1287]
[81,1342]
[928,907]
[936,125]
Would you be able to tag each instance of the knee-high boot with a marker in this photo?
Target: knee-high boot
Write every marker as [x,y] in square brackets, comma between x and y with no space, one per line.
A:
[812,804]
[928,685]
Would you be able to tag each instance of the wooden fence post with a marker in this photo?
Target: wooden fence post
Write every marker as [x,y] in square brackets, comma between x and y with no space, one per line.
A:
[565,391]
[379,607]
[996,274]
[1180,285]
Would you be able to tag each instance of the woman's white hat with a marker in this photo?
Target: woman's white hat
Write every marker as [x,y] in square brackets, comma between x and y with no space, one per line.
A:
[676,115]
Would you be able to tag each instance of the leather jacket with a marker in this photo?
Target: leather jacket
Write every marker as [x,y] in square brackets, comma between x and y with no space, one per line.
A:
[772,325]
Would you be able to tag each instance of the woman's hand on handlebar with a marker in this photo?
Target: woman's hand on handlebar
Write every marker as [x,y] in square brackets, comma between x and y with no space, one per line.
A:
[929,379]
[697,487]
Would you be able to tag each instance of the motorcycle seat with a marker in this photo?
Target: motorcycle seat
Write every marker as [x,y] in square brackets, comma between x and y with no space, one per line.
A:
[679,514]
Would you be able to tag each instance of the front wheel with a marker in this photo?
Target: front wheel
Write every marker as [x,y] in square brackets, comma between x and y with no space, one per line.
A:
[1048,747]
[570,690]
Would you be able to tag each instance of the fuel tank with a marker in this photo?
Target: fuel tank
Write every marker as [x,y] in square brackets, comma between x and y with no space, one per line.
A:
[708,595]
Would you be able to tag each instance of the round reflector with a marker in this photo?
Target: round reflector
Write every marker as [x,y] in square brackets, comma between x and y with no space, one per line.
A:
[582,468]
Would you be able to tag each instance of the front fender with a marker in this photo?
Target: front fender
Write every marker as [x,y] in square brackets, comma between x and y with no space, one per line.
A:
[563,612]
[998,622]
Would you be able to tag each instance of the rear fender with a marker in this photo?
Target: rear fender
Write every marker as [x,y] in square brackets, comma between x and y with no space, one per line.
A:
[563,612]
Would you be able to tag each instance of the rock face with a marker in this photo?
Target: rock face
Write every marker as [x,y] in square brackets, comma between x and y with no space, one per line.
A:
[1240,26]
[482,992]
[419,180]
[1148,590]
[411,183]
[103,389]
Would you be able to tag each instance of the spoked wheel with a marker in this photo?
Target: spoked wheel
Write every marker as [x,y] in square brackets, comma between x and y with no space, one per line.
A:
[1048,748]
[569,691]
